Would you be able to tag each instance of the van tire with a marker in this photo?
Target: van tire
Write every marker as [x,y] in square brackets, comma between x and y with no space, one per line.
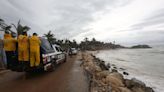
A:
[65,60]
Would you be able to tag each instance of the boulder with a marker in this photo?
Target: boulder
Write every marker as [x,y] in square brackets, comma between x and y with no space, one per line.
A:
[108,65]
[114,70]
[102,65]
[118,76]
[112,80]
[122,69]
[137,82]
[134,82]
[137,85]
[124,89]
[125,73]
[102,74]
[137,89]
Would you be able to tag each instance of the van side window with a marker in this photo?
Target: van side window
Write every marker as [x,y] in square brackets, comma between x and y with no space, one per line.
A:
[61,49]
[57,49]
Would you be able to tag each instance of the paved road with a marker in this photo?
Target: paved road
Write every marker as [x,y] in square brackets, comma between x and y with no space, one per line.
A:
[68,77]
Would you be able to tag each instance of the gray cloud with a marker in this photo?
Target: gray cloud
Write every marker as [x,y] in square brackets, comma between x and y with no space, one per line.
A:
[66,18]
[156,18]
[69,18]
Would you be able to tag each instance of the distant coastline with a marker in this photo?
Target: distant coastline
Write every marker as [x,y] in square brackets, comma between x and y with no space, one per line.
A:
[140,46]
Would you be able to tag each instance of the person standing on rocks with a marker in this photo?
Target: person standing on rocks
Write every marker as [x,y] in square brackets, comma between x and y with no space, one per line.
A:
[34,50]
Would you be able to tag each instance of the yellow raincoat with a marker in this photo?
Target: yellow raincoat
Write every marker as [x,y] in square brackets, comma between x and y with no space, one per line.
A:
[34,51]
[9,43]
[6,36]
[23,48]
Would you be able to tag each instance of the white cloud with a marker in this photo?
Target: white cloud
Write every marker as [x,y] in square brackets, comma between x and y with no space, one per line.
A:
[125,21]
[118,23]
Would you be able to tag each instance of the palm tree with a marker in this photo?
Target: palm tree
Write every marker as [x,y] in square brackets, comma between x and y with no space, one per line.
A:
[1,21]
[50,37]
[20,29]
[2,25]
[5,27]
[86,39]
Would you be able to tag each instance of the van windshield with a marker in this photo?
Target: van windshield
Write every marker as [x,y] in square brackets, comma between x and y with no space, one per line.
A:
[46,46]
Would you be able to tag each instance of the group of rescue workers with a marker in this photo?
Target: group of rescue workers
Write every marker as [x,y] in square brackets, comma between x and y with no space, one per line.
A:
[23,52]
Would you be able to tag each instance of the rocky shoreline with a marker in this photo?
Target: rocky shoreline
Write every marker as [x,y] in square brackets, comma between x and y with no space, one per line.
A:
[106,78]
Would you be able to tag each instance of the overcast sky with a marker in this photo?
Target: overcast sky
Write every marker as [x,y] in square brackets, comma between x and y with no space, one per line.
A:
[123,21]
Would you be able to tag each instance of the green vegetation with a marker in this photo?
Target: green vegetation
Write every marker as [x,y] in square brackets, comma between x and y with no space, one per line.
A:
[19,28]
[86,44]
[50,37]
[140,46]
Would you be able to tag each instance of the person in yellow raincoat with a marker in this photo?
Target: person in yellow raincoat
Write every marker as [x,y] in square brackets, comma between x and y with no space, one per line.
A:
[34,50]
[10,48]
[23,50]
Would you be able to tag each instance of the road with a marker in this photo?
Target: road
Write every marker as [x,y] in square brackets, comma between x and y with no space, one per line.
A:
[68,77]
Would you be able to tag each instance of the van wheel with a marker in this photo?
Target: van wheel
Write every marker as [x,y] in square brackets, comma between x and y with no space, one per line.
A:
[65,60]
[53,67]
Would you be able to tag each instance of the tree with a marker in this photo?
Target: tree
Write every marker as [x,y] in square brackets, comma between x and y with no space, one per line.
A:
[75,44]
[93,40]
[5,27]
[20,29]
[86,39]
[50,37]
[1,21]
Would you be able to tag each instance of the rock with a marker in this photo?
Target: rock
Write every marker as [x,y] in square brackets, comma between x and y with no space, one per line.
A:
[111,80]
[114,70]
[108,65]
[122,69]
[137,82]
[137,85]
[142,89]
[117,75]
[125,73]
[148,89]
[113,65]
[134,83]
[103,66]
[137,89]
[102,80]
[102,74]
[124,89]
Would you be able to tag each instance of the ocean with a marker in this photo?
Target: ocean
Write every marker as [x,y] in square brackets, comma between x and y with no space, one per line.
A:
[146,65]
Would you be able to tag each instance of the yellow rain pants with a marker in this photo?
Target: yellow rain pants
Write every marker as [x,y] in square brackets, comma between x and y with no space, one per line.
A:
[34,51]
[23,48]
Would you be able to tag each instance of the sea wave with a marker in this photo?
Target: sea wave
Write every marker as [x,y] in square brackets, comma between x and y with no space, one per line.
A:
[140,64]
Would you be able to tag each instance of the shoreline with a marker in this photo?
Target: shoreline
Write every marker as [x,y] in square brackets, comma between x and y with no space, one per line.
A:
[106,78]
